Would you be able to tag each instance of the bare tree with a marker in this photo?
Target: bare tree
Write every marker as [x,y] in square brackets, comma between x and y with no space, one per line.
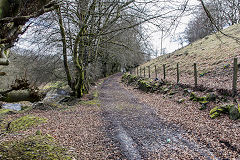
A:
[13,16]
[101,36]
[213,16]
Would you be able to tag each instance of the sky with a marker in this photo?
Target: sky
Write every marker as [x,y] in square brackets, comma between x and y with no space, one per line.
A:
[169,42]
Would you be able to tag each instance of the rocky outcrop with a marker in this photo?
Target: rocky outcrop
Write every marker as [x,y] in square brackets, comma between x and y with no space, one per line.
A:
[230,110]
[53,99]
[234,113]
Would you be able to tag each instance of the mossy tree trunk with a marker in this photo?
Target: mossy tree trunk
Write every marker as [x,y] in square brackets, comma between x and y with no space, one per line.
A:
[13,16]
[78,83]
[83,26]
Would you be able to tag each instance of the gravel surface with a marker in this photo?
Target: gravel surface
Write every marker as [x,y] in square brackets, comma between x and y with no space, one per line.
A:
[221,135]
[142,131]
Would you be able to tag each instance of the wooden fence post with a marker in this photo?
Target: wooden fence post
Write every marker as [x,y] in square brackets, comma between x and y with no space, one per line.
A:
[137,72]
[164,71]
[140,72]
[155,67]
[235,71]
[149,72]
[177,73]
[195,74]
[144,72]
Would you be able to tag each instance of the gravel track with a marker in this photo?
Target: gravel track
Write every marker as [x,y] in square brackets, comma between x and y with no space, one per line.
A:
[140,132]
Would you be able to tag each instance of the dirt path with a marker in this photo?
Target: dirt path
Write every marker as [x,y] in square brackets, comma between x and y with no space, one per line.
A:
[141,133]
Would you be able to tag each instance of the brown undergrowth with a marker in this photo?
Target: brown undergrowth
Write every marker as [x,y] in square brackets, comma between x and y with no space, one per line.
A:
[77,128]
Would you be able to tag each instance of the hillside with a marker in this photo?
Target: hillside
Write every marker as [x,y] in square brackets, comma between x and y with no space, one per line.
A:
[214,57]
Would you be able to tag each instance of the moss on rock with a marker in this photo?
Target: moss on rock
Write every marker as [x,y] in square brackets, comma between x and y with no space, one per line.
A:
[172,92]
[25,122]
[234,113]
[33,147]
[55,85]
[129,78]
[4,111]
[144,85]
[194,97]
[91,102]
[218,110]
[211,97]
[95,94]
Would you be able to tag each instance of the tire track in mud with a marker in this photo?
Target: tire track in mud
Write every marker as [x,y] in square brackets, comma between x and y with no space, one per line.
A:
[140,132]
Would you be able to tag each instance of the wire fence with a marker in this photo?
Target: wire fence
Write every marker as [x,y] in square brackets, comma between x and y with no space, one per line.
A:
[227,80]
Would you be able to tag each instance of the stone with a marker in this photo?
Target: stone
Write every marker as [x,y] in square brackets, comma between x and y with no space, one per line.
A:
[55,95]
[172,93]
[165,90]
[16,96]
[226,66]
[218,110]
[234,113]
[168,140]
[192,96]
[203,106]
[181,100]
[187,91]
[211,97]
[53,99]
[40,106]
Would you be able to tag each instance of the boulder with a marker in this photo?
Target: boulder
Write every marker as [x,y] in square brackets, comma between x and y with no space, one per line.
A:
[203,105]
[16,96]
[53,99]
[55,95]
[218,110]
[181,100]
[229,109]
[234,113]
[21,95]
[172,92]
[211,97]
[144,85]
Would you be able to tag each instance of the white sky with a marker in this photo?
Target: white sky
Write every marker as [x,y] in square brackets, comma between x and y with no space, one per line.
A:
[168,43]
[155,35]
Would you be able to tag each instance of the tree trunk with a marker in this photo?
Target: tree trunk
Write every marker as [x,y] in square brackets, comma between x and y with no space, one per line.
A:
[65,61]
[78,53]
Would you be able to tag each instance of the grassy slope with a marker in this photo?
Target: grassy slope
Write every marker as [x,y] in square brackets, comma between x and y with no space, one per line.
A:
[210,54]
